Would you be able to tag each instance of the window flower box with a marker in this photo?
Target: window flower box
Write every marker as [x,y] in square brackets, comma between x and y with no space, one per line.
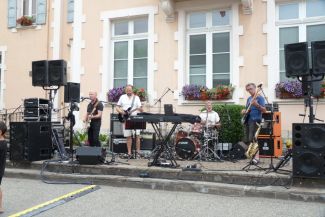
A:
[25,21]
[197,92]
[289,90]
[115,93]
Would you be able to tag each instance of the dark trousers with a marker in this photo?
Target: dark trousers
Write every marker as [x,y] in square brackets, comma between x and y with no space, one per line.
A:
[93,134]
[249,131]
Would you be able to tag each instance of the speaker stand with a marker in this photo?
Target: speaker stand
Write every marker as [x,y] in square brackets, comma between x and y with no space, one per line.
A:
[281,163]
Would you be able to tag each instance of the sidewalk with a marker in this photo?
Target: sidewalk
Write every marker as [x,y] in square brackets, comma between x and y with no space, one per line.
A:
[221,178]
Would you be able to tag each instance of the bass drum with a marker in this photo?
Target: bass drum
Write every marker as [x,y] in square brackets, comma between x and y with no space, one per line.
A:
[186,148]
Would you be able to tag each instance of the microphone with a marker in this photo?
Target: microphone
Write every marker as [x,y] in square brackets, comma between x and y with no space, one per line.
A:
[170,90]
[83,98]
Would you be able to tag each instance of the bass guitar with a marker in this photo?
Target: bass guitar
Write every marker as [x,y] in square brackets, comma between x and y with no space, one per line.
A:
[245,117]
[123,117]
[87,122]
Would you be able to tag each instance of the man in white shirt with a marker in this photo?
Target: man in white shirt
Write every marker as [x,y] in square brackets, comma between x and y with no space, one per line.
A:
[209,117]
[126,101]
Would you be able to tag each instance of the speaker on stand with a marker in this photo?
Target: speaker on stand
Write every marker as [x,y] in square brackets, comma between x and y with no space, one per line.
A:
[296,59]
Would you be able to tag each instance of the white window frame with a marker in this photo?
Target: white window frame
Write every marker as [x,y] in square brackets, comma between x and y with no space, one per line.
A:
[208,31]
[20,9]
[107,17]
[272,28]
[183,8]
[130,38]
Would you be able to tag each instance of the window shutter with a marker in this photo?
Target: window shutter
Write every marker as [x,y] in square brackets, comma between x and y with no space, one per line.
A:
[70,11]
[41,12]
[12,13]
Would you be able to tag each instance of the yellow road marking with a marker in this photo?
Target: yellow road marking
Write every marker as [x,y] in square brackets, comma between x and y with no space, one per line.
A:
[52,201]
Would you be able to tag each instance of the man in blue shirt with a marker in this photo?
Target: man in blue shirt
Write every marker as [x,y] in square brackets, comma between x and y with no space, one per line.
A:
[254,113]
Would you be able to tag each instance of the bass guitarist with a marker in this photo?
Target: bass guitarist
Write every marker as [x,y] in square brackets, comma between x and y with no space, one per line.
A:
[252,114]
[129,104]
[93,118]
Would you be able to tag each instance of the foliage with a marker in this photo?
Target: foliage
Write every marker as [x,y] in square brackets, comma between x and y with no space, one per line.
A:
[79,137]
[115,93]
[103,138]
[231,128]
[199,92]
[292,87]
[25,20]
[192,91]
[140,92]
[221,92]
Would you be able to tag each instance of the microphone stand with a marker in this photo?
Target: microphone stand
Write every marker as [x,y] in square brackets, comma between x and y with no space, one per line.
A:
[159,100]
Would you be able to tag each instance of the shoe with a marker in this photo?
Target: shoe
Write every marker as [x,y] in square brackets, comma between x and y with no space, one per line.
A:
[138,156]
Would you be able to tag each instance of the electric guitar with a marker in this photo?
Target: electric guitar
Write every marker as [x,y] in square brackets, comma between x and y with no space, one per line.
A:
[123,117]
[87,122]
[245,117]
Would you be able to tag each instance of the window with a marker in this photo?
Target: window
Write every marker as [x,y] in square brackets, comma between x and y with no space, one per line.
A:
[130,52]
[208,35]
[299,22]
[32,8]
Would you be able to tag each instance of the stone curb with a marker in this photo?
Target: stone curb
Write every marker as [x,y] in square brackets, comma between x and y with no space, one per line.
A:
[272,192]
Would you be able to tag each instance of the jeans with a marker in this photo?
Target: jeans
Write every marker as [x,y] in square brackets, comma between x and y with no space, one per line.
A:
[249,131]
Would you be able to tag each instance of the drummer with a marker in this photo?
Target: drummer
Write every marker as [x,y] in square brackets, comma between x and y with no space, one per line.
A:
[209,118]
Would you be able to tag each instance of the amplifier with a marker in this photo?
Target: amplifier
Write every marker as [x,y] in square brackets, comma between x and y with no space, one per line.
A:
[269,146]
[116,126]
[35,112]
[118,145]
[35,102]
[271,124]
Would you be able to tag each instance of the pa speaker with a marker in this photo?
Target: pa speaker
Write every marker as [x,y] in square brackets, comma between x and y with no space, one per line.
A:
[72,92]
[296,59]
[57,72]
[270,146]
[308,150]
[238,150]
[318,57]
[90,155]
[40,73]
[30,141]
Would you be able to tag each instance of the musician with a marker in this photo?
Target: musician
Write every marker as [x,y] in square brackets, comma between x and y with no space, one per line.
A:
[254,113]
[209,117]
[94,116]
[126,101]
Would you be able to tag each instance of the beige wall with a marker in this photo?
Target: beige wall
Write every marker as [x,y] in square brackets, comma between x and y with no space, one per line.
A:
[27,45]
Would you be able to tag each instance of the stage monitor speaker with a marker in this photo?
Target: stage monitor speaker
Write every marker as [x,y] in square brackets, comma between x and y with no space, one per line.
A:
[238,150]
[318,57]
[116,126]
[118,145]
[18,140]
[270,146]
[308,150]
[57,72]
[72,92]
[30,141]
[90,155]
[40,73]
[296,59]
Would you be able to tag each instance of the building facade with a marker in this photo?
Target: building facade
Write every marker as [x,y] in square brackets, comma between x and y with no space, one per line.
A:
[158,45]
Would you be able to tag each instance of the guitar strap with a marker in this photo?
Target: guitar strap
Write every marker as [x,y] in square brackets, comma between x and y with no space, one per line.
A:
[94,109]
[132,102]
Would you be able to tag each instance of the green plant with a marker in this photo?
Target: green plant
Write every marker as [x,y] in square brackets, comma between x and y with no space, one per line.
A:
[103,138]
[231,130]
[79,137]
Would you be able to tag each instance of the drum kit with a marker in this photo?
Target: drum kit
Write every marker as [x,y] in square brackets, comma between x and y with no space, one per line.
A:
[198,143]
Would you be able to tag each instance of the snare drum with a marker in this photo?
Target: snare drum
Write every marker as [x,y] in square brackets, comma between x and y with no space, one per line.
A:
[186,148]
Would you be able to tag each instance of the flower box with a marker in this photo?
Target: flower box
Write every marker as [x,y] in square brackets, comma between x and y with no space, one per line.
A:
[197,92]
[25,21]
[115,93]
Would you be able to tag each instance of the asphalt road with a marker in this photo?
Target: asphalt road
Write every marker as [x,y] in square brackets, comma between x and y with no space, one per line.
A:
[20,194]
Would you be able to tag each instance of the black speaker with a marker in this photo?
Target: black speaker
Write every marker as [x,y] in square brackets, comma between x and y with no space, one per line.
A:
[90,155]
[57,72]
[148,141]
[296,59]
[116,126]
[30,141]
[18,140]
[314,87]
[238,150]
[118,145]
[40,73]
[318,57]
[72,92]
[308,150]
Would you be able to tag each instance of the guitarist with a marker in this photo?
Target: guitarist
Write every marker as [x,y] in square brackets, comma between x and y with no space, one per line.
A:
[255,106]
[129,103]
[94,116]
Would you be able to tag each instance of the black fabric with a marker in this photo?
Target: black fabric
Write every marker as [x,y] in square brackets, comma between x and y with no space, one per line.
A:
[93,134]
[3,152]
[99,107]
